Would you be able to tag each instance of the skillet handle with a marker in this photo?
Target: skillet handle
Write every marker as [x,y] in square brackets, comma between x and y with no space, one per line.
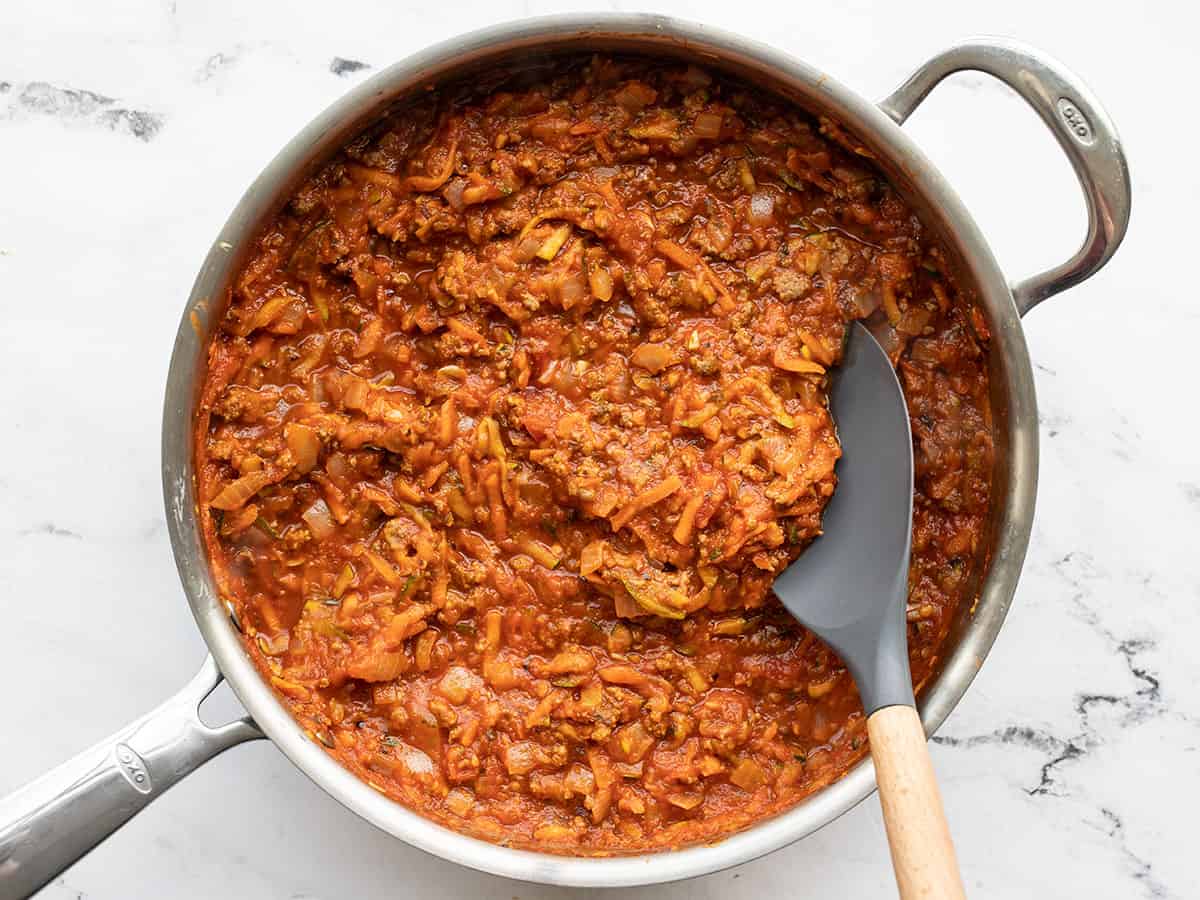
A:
[50,823]
[1078,122]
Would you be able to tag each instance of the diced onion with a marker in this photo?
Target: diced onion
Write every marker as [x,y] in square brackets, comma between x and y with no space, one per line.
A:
[521,757]
[319,520]
[708,125]
[601,284]
[356,393]
[460,801]
[291,319]
[867,300]
[762,208]
[238,492]
[304,445]
[748,775]
[635,96]
[652,357]
[550,247]
[454,194]
[591,557]
[526,248]
[572,291]
[580,780]
[415,761]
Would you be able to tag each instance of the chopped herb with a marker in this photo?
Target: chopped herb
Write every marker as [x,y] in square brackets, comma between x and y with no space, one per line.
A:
[791,180]
[303,243]
[266,528]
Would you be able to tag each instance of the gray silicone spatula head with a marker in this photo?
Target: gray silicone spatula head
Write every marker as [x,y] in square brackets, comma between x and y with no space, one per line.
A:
[850,586]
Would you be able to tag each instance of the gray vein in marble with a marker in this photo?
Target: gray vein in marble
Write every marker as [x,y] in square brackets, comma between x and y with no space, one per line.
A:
[49,528]
[216,63]
[76,105]
[342,67]
[1191,492]
[1053,423]
[1143,702]
[62,882]
[153,529]
[1143,872]
[1128,441]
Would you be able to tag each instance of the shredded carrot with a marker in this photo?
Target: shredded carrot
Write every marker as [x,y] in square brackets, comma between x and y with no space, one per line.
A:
[381,498]
[609,193]
[426,183]
[688,260]
[393,183]
[441,585]
[540,714]
[570,213]
[645,500]
[783,360]
[815,346]
[433,473]
[406,491]
[465,331]
[890,306]
[463,464]
[496,510]
[676,254]
[447,422]
[603,149]
[687,519]
[382,567]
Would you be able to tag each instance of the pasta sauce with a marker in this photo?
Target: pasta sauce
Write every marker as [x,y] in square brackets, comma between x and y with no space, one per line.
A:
[519,406]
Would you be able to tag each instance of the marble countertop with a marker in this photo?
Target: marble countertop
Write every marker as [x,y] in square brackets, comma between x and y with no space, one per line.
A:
[128,130]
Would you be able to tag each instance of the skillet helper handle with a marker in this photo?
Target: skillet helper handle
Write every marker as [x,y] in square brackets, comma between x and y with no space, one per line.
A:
[50,823]
[1079,124]
[922,851]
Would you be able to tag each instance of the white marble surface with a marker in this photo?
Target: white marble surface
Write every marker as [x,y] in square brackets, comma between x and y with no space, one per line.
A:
[1070,769]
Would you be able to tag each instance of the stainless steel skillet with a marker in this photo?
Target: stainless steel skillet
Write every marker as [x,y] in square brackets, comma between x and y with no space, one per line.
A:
[49,824]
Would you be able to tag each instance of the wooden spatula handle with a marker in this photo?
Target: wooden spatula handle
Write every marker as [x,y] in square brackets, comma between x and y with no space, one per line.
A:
[922,852]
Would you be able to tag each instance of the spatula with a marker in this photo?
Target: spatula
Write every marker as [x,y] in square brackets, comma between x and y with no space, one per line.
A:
[850,587]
